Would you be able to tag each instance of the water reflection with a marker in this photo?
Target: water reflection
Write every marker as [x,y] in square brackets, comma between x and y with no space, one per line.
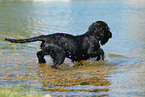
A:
[14,20]
[137,21]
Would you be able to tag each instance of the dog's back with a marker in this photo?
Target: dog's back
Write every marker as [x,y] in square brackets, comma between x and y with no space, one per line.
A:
[77,48]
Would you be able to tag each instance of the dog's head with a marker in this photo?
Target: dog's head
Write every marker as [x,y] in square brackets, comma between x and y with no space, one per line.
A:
[101,31]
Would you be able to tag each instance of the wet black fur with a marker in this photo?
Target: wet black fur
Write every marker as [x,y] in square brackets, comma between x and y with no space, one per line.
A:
[77,48]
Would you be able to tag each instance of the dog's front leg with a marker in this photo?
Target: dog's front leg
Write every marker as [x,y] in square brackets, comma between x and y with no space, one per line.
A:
[100,55]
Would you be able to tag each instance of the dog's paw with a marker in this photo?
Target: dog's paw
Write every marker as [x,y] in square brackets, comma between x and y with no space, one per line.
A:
[98,58]
[42,61]
[54,67]
[42,64]
[101,57]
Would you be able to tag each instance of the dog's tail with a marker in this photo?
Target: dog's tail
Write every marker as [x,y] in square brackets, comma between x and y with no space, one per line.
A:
[33,39]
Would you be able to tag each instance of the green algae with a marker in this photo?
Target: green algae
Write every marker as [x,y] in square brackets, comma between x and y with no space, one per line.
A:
[95,81]
[66,90]
[90,73]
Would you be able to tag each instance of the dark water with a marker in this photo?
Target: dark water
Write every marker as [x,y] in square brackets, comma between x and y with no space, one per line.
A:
[126,50]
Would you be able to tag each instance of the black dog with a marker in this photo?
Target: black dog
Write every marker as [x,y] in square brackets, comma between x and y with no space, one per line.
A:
[77,48]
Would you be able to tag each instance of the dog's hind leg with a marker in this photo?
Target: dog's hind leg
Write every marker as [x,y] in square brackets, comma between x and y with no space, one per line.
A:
[58,59]
[40,56]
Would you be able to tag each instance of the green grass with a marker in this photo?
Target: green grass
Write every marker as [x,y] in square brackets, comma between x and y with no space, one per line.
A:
[18,93]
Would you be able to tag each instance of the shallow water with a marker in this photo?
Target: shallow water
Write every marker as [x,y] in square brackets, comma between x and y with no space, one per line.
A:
[125,52]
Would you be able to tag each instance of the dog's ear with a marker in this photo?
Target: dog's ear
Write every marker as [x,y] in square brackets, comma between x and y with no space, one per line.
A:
[102,31]
[104,35]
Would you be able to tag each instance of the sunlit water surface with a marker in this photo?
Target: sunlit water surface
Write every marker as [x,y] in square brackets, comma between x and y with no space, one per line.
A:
[126,50]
